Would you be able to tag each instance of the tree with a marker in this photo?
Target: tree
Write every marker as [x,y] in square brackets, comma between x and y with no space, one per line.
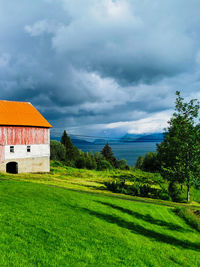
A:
[139,162]
[108,155]
[58,151]
[90,161]
[150,162]
[102,164]
[179,153]
[72,152]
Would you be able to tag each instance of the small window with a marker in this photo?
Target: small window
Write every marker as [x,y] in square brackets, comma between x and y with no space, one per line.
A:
[28,148]
[12,150]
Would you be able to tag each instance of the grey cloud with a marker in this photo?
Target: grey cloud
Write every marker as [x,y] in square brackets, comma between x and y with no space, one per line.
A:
[98,62]
[129,47]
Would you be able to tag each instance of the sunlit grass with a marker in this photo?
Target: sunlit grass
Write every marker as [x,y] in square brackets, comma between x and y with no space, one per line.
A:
[43,225]
[92,181]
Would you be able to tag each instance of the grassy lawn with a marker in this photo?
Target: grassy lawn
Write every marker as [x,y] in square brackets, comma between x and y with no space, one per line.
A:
[44,225]
[91,181]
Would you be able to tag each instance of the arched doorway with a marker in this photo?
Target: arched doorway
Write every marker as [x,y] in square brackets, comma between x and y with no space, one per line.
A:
[12,167]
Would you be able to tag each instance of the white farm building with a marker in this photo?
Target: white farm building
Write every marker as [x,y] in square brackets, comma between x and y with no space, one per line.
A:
[24,138]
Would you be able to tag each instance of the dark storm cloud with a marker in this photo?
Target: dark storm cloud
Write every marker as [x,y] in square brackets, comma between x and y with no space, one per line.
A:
[100,62]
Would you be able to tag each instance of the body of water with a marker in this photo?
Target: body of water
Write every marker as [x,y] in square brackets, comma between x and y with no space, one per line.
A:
[127,151]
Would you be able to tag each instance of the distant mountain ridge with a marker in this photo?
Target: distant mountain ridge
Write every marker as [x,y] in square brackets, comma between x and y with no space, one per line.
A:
[157,137]
[127,138]
[75,141]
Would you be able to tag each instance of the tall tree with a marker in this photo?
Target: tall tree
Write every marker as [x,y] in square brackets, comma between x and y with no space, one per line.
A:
[65,138]
[108,155]
[71,151]
[179,153]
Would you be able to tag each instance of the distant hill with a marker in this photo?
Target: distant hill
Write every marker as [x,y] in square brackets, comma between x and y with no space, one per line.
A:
[127,138]
[155,137]
[130,137]
[75,141]
[99,141]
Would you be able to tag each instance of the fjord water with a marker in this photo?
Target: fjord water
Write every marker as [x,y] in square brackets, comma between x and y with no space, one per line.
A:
[128,151]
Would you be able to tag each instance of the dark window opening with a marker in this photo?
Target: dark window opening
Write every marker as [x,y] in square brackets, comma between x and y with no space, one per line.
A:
[12,167]
[12,149]
[28,148]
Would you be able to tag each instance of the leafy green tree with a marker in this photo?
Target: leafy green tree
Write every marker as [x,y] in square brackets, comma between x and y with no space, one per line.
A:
[58,151]
[179,153]
[81,162]
[148,163]
[151,162]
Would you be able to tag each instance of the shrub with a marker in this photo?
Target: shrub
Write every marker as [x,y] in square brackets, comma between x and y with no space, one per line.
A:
[145,190]
[90,161]
[139,162]
[56,164]
[80,162]
[148,163]
[136,189]
[122,164]
[58,151]
[177,195]
[104,165]
[114,186]
[163,194]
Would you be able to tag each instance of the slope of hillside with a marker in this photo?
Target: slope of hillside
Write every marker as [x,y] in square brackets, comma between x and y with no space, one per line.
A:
[44,225]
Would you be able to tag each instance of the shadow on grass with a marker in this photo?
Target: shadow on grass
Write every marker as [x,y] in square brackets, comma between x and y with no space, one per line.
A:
[140,230]
[95,187]
[148,218]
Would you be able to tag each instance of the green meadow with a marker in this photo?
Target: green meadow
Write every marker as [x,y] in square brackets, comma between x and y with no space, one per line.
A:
[67,218]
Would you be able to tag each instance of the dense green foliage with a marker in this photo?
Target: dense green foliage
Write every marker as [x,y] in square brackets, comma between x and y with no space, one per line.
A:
[135,183]
[176,192]
[58,151]
[69,154]
[72,152]
[50,226]
[108,155]
[179,153]
[148,163]
[178,157]
[139,183]
[137,189]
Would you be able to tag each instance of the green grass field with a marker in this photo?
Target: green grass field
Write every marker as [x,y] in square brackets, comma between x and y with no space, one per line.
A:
[45,225]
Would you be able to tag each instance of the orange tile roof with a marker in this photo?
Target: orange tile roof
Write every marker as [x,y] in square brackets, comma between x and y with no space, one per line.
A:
[21,114]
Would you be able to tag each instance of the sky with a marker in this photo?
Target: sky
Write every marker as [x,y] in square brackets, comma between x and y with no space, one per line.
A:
[100,67]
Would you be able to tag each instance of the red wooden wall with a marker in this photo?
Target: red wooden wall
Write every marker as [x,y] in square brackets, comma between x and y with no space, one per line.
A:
[14,135]
[1,153]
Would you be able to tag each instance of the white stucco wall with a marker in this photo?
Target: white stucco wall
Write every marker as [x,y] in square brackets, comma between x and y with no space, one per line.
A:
[20,151]
[29,165]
